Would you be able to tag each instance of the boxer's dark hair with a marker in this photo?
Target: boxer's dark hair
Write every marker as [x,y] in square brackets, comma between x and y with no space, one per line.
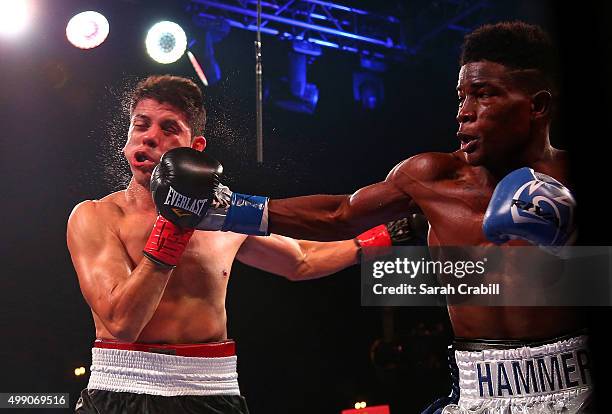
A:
[182,93]
[516,45]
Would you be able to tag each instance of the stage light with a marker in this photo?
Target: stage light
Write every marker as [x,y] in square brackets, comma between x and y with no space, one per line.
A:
[14,16]
[368,88]
[215,29]
[295,93]
[166,42]
[87,30]
[79,371]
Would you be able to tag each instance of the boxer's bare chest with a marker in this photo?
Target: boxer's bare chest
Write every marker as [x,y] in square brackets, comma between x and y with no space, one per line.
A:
[205,267]
[455,205]
[455,208]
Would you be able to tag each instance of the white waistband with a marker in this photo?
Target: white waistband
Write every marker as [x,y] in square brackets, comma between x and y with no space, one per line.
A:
[160,374]
[560,367]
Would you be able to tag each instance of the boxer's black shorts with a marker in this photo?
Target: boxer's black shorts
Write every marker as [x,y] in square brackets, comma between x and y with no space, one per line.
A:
[107,402]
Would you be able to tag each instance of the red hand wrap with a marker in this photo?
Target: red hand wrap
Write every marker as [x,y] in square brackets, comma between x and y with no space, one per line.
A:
[375,237]
[167,242]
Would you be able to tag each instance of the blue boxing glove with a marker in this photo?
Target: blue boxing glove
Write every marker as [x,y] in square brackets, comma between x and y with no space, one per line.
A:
[240,213]
[531,206]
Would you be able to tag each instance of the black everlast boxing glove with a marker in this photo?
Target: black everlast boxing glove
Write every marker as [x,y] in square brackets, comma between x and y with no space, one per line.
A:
[183,185]
[187,191]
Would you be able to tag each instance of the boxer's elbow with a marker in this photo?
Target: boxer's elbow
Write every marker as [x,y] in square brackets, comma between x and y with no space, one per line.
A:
[121,326]
[124,331]
[342,224]
[302,272]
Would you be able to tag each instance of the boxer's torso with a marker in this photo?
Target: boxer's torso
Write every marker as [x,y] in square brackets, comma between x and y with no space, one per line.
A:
[192,308]
[455,203]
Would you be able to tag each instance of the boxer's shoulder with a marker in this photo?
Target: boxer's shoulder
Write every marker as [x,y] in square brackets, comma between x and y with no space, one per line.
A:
[557,166]
[90,213]
[427,167]
[105,207]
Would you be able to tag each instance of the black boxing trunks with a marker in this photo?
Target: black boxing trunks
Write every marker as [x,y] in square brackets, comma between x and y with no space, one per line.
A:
[516,377]
[162,378]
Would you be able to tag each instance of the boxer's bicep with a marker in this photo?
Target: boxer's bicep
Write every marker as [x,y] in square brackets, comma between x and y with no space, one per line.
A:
[412,180]
[377,204]
[99,257]
[391,199]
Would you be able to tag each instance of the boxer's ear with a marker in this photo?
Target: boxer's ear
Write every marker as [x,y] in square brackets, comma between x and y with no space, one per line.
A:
[541,104]
[199,143]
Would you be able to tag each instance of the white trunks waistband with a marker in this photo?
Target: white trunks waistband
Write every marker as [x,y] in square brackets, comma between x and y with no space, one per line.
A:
[159,374]
[559,367]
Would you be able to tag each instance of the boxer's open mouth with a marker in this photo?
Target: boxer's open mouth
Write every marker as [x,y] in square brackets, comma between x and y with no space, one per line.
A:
[144,161]
[465,138]
[141,156]
[468,142]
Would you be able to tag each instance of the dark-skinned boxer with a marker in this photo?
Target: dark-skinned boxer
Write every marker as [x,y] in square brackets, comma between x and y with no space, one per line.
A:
[506,94]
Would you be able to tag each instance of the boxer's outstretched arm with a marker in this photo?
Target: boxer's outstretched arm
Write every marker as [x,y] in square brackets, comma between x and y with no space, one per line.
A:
[298,259]
[338,217]
[122,296]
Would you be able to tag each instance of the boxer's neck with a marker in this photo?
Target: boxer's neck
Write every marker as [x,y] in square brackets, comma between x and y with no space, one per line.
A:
[139,196]
[538,152]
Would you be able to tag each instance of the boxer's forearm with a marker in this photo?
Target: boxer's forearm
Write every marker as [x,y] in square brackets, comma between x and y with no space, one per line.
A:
[323,259]
[134,301]
[317,217]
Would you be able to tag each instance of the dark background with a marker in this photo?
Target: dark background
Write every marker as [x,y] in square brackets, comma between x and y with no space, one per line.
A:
[303,347]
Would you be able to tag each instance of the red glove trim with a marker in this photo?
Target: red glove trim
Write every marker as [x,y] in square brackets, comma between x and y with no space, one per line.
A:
[166,243]
[375,237]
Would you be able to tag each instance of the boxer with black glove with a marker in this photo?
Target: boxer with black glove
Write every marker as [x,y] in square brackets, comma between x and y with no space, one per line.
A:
[187,191]
[182,190]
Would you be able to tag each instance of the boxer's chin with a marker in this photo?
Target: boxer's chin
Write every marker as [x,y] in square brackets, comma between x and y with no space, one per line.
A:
[475,159]
[142,177]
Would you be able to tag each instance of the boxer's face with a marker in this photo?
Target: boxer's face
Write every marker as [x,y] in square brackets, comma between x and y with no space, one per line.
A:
[154,129]
[494,114]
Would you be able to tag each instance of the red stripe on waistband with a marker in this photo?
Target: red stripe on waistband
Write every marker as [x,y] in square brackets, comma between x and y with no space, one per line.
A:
[208,350]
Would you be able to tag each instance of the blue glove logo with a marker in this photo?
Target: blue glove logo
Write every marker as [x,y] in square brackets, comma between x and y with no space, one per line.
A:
[543,200]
